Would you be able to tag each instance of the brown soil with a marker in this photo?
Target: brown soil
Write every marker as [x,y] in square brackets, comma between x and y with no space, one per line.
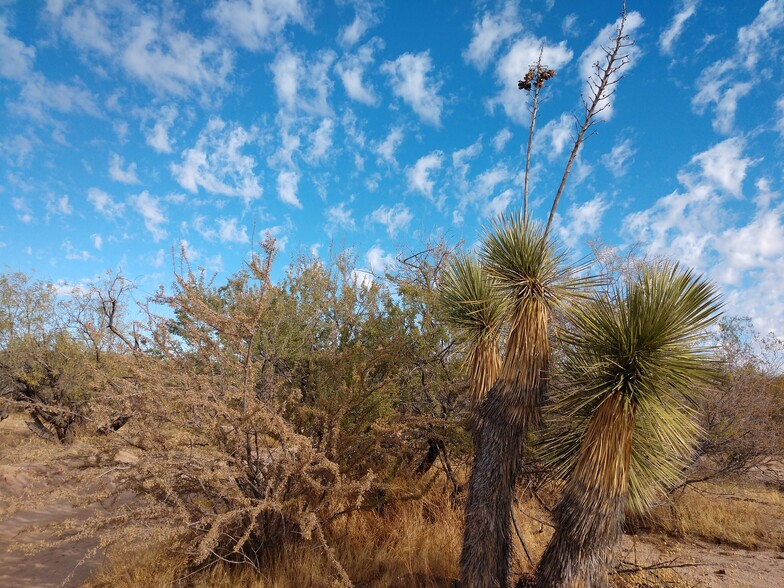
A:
[52,566]
[702,564]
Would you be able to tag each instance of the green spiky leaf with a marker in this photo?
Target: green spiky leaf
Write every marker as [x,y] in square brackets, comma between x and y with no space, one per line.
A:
[644,342]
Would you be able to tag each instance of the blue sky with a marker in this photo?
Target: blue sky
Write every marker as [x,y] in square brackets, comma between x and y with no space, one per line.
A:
[128,128]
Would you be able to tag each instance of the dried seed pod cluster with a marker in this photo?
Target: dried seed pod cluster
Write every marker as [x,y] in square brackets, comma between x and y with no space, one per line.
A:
[535,76]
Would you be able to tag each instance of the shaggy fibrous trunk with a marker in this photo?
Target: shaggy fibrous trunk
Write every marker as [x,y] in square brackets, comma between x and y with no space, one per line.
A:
[589,515]
[510,409]
[484,363]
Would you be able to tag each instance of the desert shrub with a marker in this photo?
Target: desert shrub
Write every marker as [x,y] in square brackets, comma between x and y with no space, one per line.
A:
[264,413]
[743,414]
[46,366]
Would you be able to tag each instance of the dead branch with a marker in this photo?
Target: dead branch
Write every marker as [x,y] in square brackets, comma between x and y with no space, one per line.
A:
[600,91]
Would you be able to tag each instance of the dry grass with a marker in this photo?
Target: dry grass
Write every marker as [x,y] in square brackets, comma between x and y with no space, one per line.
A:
[749,516]
[415,543]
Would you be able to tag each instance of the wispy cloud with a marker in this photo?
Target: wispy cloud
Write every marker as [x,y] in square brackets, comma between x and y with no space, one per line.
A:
[419,175]
[489,32]
[217,162]
[104,204]
[256,23]
[412,79]
[339,217]
[395,218]
[152,212]
[118,174]
[674,30]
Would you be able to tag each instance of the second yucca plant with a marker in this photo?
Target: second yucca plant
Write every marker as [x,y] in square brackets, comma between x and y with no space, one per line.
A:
[633,359]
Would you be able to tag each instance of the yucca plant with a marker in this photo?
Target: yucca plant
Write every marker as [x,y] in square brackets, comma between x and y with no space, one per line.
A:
[475,308]
[531,274]
[633,360]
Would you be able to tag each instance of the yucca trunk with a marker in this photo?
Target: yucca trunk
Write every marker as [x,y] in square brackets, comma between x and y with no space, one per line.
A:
[511,407]
[589,515]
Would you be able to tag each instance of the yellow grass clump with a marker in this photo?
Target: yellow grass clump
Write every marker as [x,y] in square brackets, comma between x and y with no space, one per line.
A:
[750,516]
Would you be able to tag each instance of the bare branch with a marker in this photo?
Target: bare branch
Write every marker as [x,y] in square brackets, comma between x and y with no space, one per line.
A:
[600,94]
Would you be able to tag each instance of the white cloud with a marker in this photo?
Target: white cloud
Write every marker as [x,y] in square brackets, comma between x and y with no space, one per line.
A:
[556,135]
[418,175]
[378,260]
[757,245]
[723,83]
[158,136]
[104,204]
[88,24]
[217,163]
[462,156]
[486,182]
[351,69]
[499,204]
[520,56]
[255,23]
[723,166]
[60,205]
[501,138]
[18,58]
[174,62]
[365,18]
[20,205]
[780,116]
[395,218]
[303,86]
[490,32]
[745,255]
[152,213]
[412,81]
[717,88]
[569,25]
[339,218]
[214,263]
[482,193]
[97,241]
[582,220]
[157,261]
[321,141]
[685,224]
[118,174]
[596,53]
[616,160]
[74,254]
[673,32]
[38,94]
[754,38]
[362,278]
[387,148]
[230,232]
[188,250]
[288,183]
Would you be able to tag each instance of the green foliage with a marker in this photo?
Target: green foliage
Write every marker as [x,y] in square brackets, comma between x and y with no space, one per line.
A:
[644,342]
[46,366]
[529,267]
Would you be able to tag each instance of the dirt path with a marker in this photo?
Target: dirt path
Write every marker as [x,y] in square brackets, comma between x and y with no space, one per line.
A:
[50,567]
[708,565]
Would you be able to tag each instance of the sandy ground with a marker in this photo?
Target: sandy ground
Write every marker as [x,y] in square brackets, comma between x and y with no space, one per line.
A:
[703,564]
[50,567]
[707,565]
